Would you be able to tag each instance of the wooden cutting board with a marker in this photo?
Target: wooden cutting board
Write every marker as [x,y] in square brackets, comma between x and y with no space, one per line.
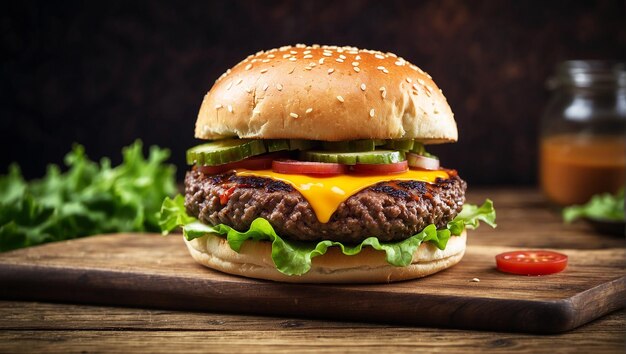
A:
[149,270]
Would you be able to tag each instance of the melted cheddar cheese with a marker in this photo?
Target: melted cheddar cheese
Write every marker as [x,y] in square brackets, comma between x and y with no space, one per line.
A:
[326,193]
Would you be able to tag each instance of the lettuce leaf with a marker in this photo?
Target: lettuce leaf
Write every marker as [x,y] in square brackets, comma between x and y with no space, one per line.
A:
[89,198]
[294,258]
[606,207]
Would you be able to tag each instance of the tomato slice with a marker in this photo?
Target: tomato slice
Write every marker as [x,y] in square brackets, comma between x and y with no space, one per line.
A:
[308,168]
[380,169]
[532,262]
[261,162]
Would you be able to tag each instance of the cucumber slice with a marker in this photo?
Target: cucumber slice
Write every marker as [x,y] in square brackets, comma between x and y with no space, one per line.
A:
[297,144]
[276,145]
[418,148]
[352,158]
[402,145]
[350,146]
[220,152]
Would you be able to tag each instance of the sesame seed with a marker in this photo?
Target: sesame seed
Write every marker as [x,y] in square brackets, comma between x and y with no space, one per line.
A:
[399,63]
[358,57]
[416,87]
[271,56]
[340,99]
[292,59]
[263,71]
[292,69]
[307,68]
[265,87]
[420,81]
[312,65]
[309,110]
[383,93]
[285,56]
[379,56]
[386,71]
[308,56]
[342,56]
[356,68]
[218,106]
[248,67]
[265,60]
[230,108]
[475,280]
[230,84]
[380,67]
[414,67]
[339,60]
[306,52]
[248,90]
[355,63]
[408,79]
[321,61]
[294,115]
[372,112]
[327,54]
[293,52]
[330,71]
[279,87]
[239,81]
[363,87]
[300,45]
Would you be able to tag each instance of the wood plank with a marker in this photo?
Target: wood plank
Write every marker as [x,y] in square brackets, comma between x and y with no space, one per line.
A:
[152,271]
[254,340]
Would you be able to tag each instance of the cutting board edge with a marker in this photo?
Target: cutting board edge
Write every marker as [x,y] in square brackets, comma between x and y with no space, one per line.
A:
[529,315]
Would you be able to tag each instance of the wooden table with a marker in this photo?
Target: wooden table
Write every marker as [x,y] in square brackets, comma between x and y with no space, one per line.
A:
[524,221]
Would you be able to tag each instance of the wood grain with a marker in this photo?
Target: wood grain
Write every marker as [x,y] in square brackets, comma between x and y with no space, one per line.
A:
[154,271]
[42,327]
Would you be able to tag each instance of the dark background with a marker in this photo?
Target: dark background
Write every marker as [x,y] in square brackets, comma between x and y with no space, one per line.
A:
[103,73]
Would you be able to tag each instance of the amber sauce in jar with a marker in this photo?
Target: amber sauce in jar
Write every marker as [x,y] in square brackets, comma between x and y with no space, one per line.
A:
[583,140]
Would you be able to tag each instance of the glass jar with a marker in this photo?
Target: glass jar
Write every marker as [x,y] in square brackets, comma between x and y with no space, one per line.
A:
[583,132]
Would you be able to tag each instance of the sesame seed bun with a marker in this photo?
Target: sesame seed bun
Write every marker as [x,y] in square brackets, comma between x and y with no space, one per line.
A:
[254,261]
[326,93]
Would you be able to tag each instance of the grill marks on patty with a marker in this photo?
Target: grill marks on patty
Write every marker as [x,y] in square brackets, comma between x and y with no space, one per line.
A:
[392,211]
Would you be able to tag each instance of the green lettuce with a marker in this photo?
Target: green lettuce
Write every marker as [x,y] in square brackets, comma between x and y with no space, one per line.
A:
[89,198]
[294,258]
[606,207]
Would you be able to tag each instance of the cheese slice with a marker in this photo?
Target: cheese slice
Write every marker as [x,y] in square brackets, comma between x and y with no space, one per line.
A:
[326,193]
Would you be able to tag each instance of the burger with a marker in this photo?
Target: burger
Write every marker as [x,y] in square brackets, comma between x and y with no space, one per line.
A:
[313,168]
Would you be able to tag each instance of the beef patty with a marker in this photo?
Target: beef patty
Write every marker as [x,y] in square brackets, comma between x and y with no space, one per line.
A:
[391,211]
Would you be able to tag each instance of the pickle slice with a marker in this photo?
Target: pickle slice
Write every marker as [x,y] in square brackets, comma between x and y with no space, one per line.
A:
[277,145]
[402,145]
[297,144]
[220,152]
[352,158]
[350,146]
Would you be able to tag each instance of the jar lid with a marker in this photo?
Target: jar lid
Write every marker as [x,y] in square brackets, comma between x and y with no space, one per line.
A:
[589,74]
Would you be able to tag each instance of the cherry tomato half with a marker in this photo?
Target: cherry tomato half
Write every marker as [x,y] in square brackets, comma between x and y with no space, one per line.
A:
[533,262]
[380,169]
[307,168]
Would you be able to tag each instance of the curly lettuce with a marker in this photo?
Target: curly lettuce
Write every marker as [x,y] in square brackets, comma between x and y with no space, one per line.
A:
[89,198]
[294,257]
[605,207]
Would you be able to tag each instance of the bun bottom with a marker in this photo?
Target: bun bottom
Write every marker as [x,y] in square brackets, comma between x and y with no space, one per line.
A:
[254,261]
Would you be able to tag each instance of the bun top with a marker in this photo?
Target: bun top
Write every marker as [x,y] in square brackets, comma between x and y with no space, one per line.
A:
[326,93]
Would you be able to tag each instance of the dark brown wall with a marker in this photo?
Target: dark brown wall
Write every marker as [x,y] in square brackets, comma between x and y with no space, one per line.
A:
[103,73]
